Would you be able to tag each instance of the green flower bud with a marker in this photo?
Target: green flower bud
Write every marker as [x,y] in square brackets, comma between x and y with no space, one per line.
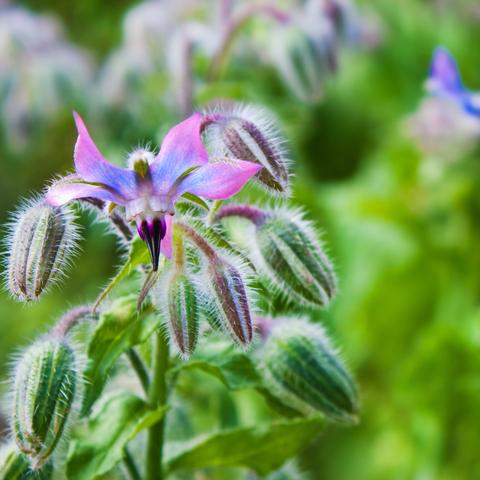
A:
[44,388]
[228,298]
[289,253]
[245,134]
[302,364]
[16,466]
[41,242]
[182,312]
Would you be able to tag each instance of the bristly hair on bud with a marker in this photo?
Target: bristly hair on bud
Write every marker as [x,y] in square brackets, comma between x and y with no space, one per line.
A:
[176,297]
[44,381]
[226,298]
[287,250]
[41,242]
[245,133]
[301,363]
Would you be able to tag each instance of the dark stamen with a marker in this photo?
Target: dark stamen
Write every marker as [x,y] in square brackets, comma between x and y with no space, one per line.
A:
[153,241]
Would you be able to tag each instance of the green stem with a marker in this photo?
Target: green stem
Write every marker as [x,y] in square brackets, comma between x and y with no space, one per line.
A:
[130,466]
[157,397]
[140,369]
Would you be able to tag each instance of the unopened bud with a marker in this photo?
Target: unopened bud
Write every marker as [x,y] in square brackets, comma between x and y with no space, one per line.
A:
[182,312]
[16,466]
[242,134]
[41,242]
[44,389]
[291,256]
[230,303]
[306,369]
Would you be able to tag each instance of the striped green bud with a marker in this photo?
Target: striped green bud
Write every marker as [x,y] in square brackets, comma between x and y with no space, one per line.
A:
[182,312]
[44,388]
[41,242]
[244,134]
[289,253]
[302,364]
[16,466]
[296,56]
[229,301]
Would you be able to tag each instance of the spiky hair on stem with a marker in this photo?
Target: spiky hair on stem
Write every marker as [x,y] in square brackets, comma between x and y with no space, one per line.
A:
[41,242]
[249,133]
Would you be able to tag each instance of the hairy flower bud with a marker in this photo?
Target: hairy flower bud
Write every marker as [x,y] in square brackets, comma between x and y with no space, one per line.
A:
[41,242]
[291,256]
[182,312]
[295,56]
[243,134]
[229,301]
[303,365]
[16,466]
[44,389]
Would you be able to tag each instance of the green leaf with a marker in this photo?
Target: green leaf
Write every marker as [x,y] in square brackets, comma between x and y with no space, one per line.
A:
[138,255]
[262,449]
[235,371]
[193,198]
[118,329]
[100,447]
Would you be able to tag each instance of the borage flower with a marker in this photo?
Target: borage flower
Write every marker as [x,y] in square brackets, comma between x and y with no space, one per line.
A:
[150,186]
[444,82]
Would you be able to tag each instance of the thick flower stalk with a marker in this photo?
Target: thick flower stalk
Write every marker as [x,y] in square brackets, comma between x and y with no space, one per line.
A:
[150,186]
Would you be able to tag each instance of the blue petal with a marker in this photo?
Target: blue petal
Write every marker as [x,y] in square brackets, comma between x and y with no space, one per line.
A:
[92,167]
[181,150]
[444,79]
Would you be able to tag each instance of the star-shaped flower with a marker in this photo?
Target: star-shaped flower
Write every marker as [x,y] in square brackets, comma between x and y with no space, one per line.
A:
[149,188]
[445,82]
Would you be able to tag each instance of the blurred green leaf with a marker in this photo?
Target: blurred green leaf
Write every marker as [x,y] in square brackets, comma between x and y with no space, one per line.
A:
[262,449]
[235,371]
[118,329]
[138,255]
[100,447]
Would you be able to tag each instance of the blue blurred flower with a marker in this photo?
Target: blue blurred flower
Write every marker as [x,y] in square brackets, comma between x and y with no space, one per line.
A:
[445,82]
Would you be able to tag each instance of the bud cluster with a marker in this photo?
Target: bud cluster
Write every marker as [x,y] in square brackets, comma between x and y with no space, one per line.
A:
[41,241]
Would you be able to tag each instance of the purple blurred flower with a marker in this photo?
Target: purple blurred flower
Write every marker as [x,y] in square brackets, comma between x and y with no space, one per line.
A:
[445,82]
[149,188]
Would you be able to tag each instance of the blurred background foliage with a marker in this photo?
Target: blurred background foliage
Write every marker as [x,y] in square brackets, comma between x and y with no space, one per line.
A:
[402,222]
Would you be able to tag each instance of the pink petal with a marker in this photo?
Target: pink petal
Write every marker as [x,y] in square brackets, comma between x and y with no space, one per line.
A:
[92,167]
[61,194]
[181,150]
[166,245]
[219,180]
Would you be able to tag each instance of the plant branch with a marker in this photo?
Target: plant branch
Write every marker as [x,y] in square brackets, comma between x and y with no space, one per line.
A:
[157,397]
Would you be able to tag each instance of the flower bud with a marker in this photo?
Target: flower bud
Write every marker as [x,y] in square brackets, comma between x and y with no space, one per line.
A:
[229,301]
[182,313]
[44,389]
[16,466]
[41,243]
[242,134]
[303,366]
[295,56]
[289,254]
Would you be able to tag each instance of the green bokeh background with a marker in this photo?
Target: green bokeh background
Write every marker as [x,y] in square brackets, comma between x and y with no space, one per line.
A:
[406,243]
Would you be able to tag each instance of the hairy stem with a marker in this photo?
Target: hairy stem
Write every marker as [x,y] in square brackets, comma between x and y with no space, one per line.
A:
[233,26]
[157,397]
[140,369]
[244,211]
[130,466]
